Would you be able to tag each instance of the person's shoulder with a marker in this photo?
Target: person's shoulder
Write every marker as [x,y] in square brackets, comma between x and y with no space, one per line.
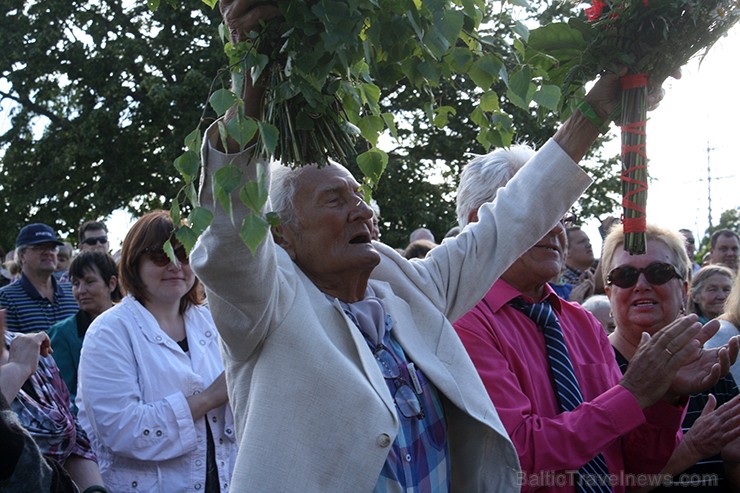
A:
[63,326]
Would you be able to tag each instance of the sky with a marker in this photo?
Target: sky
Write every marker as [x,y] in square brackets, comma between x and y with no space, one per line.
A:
[700,111]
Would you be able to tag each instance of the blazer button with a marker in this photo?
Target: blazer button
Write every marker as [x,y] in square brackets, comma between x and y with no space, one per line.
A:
[384,439]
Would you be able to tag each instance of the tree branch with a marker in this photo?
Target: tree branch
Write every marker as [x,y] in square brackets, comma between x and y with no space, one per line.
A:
[32,106]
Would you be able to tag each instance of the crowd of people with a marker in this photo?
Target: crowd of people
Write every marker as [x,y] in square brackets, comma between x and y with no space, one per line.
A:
[506,357]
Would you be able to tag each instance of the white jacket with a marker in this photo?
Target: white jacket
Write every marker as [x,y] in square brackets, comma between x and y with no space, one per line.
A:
[133,384]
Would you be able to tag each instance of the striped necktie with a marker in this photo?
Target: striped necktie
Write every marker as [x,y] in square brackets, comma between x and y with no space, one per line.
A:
[566,386]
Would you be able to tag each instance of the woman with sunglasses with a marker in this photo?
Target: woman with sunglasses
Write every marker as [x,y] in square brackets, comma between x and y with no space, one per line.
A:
[152,393]
[647,293]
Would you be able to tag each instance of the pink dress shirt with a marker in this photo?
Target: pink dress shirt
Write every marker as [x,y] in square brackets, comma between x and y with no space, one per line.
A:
[508,350]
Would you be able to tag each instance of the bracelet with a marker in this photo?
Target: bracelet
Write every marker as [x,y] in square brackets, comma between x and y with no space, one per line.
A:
[587,111]
[96,488]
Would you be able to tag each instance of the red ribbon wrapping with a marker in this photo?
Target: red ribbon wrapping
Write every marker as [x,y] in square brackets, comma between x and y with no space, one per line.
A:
[634,224]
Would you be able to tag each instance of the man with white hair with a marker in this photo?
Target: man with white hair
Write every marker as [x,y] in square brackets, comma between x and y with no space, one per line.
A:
[583,431]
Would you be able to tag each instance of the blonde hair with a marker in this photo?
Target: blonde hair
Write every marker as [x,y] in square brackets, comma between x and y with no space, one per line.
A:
[671,239]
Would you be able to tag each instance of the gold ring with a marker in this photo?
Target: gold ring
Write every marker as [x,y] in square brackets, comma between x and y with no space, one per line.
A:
[669,352]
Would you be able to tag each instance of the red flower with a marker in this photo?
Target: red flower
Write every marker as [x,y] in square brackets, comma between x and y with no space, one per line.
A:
[594,12]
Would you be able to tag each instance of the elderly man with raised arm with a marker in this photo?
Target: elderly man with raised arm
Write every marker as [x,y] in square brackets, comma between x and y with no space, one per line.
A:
[343,370]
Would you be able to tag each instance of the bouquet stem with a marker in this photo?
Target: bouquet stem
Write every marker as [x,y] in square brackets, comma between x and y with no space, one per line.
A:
[634,161]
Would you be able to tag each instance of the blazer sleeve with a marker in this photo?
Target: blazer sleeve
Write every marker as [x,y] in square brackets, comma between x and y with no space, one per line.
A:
[248,293]
[459,272]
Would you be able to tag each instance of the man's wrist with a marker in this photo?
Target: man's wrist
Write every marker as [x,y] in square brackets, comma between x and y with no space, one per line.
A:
[601,122]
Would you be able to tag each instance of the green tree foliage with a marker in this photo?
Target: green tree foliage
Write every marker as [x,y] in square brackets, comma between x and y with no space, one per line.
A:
[101,96]
[423,171]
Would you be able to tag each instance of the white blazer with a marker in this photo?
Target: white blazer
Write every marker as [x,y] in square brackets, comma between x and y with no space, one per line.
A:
[312,410]
[133,384]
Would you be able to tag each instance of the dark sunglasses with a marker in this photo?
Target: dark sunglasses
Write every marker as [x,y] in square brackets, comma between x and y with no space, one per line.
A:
[159,257]
[97,239]
[656,274]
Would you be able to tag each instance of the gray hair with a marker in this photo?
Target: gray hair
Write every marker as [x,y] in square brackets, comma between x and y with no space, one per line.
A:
[700,279]
[596,301]
[484,175]
[283,184]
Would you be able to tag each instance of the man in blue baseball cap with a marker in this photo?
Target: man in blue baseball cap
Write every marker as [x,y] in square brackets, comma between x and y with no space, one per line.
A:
[37,301]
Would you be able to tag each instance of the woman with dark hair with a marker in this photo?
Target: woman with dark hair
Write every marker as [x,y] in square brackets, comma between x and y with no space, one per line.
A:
[95,287]
[152,393]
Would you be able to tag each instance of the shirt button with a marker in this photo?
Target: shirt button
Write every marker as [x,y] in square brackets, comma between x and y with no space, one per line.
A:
[202,342]
[159,433]
[159,338]
[208,333]
[228,431]
[146,432]
[197,486]
[384,440]
[215,419]
[408,457]
[134,484]
[198,462]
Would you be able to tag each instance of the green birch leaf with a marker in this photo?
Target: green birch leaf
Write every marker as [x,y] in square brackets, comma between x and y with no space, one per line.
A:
[210,3]
[167,247]
[519,87]
[479,117]
[242,130]
[489,101]
[152,4]
[194,140]
[371,96]
[548,96]
[442,115]
[223,134]
[254,231]
[221,100]
[273,219]
[191,193]
[390,122]
[175,211]
[199,219]
[187,164]
[372,164]
[371,126]
[228,178]
[187,237]
[254,195]
[522,30]
[485,71]
[225,181]
[268,136]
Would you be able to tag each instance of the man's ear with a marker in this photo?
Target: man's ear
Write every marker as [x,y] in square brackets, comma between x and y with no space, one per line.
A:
[473,216]
[284,236]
